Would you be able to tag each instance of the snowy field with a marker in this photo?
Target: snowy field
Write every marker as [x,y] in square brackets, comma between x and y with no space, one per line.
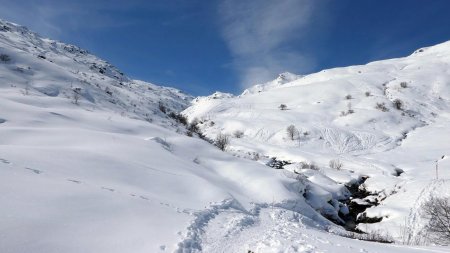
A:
[89,162]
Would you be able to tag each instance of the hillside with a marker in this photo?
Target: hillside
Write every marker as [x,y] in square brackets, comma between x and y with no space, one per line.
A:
[386,120]
[90,161]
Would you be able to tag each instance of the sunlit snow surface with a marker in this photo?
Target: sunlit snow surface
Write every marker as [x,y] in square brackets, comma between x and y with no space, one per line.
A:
[114,174]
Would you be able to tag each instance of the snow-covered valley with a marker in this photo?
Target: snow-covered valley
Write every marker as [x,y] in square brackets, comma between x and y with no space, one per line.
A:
[90,161]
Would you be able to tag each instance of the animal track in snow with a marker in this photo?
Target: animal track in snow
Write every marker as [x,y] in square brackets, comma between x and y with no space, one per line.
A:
[74,181]
[34,170]
[5,161]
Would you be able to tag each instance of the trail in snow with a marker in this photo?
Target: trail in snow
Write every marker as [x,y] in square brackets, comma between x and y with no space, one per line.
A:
[223,228]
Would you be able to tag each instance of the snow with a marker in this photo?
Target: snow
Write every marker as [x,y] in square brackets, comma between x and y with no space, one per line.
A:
[396,149]
[112,173]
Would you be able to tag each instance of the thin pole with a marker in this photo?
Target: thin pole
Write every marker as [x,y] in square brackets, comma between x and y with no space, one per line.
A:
[437,175]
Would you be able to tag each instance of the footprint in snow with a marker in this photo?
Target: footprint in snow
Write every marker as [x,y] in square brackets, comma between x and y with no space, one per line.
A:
[5,161]
[142,197]
[74,181]
[108,189]
[35,170]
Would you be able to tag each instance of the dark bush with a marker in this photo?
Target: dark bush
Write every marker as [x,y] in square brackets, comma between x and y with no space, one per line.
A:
[180,118]
[162,107]
[222,141]
[193,126]
[5,58]
[398,104]
[382,107]
[238,134]
[277,164]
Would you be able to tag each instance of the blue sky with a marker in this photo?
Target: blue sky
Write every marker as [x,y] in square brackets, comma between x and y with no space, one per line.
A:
[203,46]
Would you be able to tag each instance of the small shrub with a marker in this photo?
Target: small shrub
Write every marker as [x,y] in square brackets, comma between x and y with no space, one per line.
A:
[180,118]
[222,141]
[350,110]
[292,132]
[404,84]
[348,97]
[193,126]
[398,104]
[313,166]
[76,95]
[26,90]
[336,164]
[162,107]
[238,134]
[374,236]
[308,165]
[277,164]
[282,107]
[108,91]
[5,58]
[382,107]
[367,93]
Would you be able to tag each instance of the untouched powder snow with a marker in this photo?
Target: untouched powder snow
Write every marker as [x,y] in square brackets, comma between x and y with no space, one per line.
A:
[89,162]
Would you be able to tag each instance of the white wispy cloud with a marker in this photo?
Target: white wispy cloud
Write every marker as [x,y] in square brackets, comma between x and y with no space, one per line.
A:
[54,18]
[259,35]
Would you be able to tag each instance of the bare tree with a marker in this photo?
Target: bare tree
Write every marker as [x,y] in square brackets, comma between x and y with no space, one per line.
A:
[76,95]
[336,164]
[437,210]
[222,141]
[292,132]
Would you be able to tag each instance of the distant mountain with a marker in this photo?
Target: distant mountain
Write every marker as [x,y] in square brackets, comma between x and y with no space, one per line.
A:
[282,79]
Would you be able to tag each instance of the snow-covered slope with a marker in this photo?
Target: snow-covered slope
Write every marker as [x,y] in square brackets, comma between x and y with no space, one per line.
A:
[49,68]
[387,120]
[89,162]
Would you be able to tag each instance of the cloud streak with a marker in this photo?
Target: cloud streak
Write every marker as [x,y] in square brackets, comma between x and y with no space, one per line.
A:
[56,18]
[259,34]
